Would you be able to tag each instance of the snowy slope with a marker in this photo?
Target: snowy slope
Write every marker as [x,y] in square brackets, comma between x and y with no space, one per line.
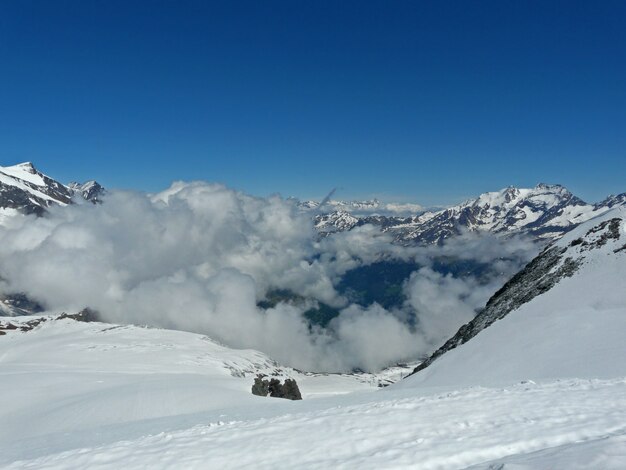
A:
[90,395]
[563,316]
[585,420]
[68,379]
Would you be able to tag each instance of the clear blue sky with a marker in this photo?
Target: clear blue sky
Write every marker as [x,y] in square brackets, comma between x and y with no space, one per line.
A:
[413,100]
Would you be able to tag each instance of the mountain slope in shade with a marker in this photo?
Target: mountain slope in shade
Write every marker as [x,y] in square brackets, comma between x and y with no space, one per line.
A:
[563,315]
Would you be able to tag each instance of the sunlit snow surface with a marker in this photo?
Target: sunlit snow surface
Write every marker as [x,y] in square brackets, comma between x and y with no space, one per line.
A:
[91,395]
[68,384]
[390,429]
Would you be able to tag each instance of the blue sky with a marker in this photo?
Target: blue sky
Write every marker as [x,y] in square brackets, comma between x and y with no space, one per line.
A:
[425,101]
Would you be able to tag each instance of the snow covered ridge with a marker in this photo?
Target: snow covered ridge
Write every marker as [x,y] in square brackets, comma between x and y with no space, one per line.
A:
[545,211]
[569,294]
[23,188]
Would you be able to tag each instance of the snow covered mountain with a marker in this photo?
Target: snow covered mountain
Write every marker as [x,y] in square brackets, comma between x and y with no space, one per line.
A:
[563,315]
[25,189]
[90,191]
[336,221]
[545,211]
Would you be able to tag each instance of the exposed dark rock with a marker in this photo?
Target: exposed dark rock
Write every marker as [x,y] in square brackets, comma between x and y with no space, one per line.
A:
[260,387]
[273,388]
[622,248]
[291,390]
[27,326]
[85,315]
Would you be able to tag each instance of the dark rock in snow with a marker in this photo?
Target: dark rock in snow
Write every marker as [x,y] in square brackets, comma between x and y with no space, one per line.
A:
[273,388]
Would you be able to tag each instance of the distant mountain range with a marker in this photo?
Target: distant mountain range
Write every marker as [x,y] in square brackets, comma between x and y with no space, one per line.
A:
[545,211]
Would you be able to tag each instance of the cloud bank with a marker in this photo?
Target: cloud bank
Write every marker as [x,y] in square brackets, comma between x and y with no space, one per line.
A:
[200,256]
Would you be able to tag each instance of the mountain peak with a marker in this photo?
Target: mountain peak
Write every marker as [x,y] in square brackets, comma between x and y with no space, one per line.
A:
[26,166]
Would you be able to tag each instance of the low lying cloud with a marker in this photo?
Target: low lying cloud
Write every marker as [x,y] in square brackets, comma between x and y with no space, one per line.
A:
[200,256]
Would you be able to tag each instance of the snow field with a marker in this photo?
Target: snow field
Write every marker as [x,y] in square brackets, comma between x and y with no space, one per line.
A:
[442,430]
